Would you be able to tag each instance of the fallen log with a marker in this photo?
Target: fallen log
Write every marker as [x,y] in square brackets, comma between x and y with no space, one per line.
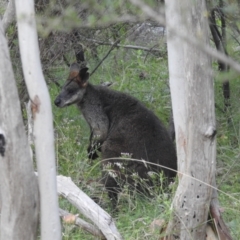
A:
[88,207]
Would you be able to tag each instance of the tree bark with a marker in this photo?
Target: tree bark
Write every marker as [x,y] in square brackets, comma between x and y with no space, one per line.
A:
[192,95]
[42,117]
[19,198]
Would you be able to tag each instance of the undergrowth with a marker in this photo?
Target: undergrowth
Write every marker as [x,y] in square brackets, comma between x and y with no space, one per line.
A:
[146,78]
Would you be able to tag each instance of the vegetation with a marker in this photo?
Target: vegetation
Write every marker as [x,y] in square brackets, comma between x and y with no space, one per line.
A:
[136,213]
[143,75]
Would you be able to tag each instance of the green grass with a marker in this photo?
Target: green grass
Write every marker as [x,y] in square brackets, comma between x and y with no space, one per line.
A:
[136,213]
[228,164]
[72,134]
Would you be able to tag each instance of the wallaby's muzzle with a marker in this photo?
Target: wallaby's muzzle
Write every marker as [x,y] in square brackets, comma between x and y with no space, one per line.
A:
[57,102]
[62,101]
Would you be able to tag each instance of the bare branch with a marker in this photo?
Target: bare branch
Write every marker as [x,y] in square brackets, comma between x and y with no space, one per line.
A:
[9,15]
[113,46]
[88,207]
[82,224]
[123,46]
[215,212]
[175,31]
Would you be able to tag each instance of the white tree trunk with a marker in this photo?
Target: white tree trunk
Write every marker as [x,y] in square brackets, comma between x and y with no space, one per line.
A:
[42,116]
[192,95]
[19,200]
[176,72]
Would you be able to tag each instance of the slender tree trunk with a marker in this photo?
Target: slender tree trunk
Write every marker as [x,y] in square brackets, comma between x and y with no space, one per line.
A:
[219,39]
[42,117]
[19,198]
[192,95]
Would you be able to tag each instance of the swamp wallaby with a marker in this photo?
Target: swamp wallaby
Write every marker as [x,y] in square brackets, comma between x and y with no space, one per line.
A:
[120,125]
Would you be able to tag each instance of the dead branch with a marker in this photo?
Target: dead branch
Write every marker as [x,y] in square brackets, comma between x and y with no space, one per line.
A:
[123,46]
[88,207]
[113,46]
[215,212]
[81,223]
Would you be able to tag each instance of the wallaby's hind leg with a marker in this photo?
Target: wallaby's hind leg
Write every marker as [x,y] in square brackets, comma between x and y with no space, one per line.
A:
[140,181]
[112,187]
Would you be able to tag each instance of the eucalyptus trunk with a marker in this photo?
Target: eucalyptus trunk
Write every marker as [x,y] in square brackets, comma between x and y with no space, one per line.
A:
[19,198]
[192,93]
[42,119]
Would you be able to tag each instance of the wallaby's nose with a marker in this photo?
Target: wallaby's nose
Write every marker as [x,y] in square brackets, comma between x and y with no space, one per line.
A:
[57,101]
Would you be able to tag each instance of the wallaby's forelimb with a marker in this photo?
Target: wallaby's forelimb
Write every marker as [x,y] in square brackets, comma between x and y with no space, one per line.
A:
[93,147]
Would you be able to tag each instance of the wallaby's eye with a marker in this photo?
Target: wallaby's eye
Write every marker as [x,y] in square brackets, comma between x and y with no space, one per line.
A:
[70,91]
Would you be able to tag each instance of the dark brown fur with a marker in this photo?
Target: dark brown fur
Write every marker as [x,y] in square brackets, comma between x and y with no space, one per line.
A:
[120,125]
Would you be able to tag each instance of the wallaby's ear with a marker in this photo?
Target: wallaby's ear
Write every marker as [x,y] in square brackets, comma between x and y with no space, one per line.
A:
[74,67]
[83,75]
[74,71]
[80,56]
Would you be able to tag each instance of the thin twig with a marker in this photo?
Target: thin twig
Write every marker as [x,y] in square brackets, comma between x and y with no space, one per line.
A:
[124,46]
[66,61]
[113,46]
[150,50]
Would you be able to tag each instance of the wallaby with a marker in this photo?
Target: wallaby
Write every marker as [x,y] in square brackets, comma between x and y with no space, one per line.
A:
[120,125]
